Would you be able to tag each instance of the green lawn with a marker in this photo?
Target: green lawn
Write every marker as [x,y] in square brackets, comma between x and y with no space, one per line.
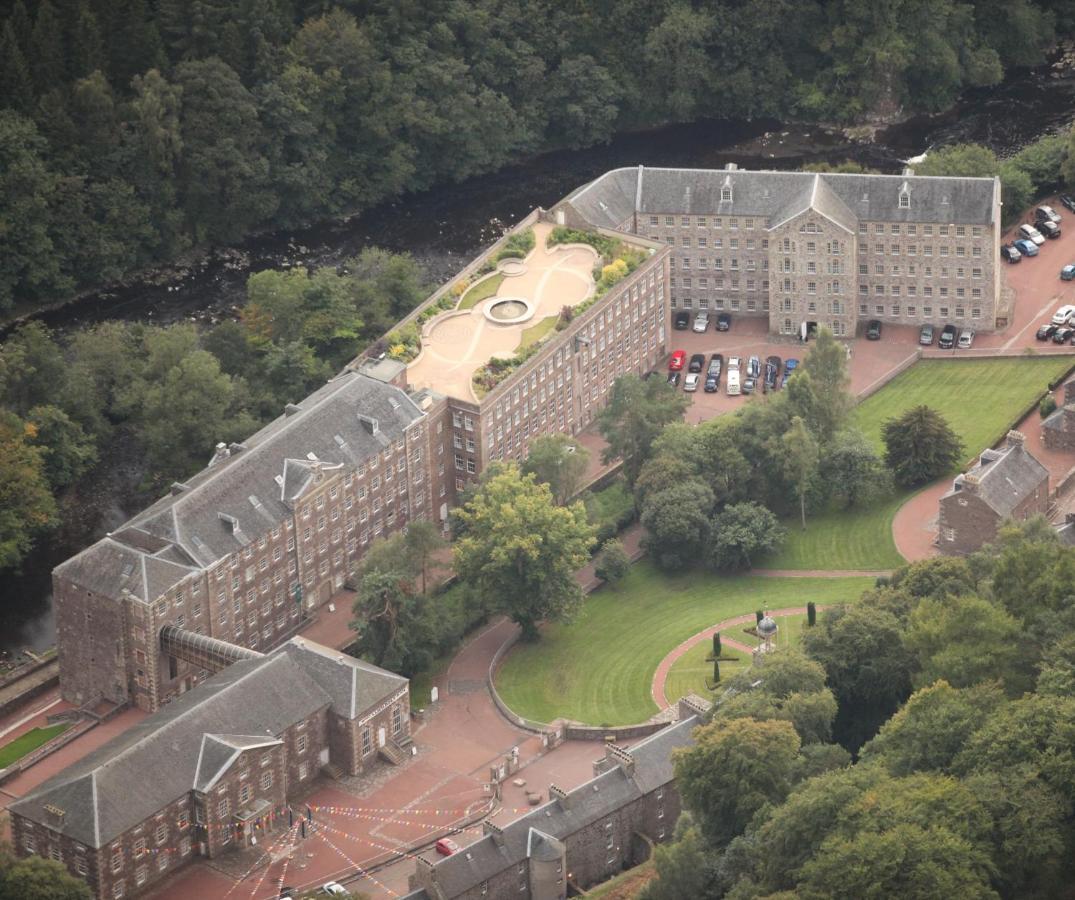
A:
[23,744]
[599,668]
[535,333]
[481,290]
[980,398]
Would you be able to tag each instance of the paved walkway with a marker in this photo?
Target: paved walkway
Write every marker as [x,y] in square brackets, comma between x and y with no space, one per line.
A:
[660,677]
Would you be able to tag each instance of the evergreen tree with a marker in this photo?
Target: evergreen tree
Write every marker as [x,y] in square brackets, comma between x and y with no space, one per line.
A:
[48,58]
[16,85]
[87,47]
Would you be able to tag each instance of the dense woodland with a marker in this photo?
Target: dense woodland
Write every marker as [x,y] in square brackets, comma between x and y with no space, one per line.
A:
[136,130]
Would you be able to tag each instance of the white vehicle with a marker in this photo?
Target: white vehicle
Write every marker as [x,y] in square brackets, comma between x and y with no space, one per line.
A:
[701,322]
[732,387]
[734,362]
[966,338]
[1031,234]
[690,383]
[334,889]
[1063,315]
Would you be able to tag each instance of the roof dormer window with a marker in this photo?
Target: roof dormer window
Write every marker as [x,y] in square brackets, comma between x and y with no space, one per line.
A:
[905,196]
[726,194]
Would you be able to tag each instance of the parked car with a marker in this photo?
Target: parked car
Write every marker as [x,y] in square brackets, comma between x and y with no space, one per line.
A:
[1030,233]
[966,338]
[1047,214]
[1027,248]
[1046,332]
[772,372]
[334,889]
[732,386]
[925,336]
[1068,272]
[1068,201]
[873,330]
[1049,229]
[734,363]
[712,384]
[446,847]
[690,383]
[673,378]
[697,363]
[749,384]
[682,320]
[701,322]
[789,370]
[754,366]
[1062,335]
[1011,253]
[724,321]
[948,337]
[716,363]
[679,357]
[1064,315]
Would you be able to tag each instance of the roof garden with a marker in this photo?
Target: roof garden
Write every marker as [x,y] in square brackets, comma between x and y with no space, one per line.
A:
[529,288]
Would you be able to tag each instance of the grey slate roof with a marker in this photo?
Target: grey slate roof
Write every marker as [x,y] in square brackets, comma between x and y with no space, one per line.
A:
[188,744]
[588,803]
[1005,478]
[778,195]
[237,498]
[353,685]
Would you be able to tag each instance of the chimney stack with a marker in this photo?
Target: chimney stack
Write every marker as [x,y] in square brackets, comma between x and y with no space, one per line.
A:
[1016,438]
[970,483]
[561,796]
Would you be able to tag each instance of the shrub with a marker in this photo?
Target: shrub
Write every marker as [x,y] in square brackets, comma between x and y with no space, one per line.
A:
[1047,406]
[612,562]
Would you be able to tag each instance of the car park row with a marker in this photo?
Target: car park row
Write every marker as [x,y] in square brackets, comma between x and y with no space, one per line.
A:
[740,376]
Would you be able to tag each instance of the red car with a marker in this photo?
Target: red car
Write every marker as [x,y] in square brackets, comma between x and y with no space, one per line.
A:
[446,847]
[677,360]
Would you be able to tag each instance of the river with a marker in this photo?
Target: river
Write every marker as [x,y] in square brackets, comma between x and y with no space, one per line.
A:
[444,227]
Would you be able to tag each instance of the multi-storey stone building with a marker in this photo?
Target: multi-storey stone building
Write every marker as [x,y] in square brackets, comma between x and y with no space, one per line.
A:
[215,769]
[580,837]
[813,249]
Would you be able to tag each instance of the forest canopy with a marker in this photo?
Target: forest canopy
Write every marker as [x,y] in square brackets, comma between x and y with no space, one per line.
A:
[132,131]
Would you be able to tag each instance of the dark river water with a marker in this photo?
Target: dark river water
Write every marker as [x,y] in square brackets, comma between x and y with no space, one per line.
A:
[445,227]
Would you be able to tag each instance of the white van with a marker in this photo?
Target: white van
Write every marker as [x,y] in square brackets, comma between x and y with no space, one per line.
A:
[1063,315]
[732,388]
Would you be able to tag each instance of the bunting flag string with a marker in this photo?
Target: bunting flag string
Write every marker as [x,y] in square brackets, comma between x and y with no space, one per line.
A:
[360,871]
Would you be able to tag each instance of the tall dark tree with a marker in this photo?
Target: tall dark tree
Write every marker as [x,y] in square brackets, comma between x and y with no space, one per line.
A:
[920,446]
[87,49]
[48,55]
[16,84]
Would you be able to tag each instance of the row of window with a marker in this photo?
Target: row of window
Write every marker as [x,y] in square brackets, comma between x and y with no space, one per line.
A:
[748,223]
[927,311]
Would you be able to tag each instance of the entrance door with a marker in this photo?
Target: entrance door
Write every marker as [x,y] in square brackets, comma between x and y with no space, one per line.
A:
[380,737]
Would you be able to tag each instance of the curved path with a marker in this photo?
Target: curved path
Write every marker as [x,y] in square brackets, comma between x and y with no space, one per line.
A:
[914,527]
[665,665]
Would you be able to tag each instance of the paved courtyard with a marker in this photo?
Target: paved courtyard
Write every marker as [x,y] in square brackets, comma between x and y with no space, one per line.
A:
[457,344]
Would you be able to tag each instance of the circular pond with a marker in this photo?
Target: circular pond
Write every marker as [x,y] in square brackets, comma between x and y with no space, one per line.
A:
[508,310]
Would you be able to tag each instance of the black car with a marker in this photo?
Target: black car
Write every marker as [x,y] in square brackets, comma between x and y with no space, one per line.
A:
[712,384]
[1061,335]
[948,338]
[1049,229]
[724,322]
[1068,201]
[873,330]
[716,364]
[772,372]
[1046,331]
[749,384]
[682,321]
[1010,254]
[673,378]
[697,363]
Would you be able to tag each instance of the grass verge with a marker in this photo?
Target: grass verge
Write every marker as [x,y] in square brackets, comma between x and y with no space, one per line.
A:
[481,290]
[535,333]
[599,668]
[18,748]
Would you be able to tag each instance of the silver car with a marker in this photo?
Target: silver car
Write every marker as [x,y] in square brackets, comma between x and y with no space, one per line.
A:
[690,383]
[966,338]
[701,322]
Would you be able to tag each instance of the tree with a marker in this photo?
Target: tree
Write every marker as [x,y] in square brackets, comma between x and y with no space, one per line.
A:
[800,460]
[677,524]
[32,368]
[36,878]
[682,867]
[26,504]
[920,446]
[612,563]
[734,768]
[395,630]
[66,449]
[16,87]
[826,363]
[47,56]
[852,470]
[559,461]
[637,410]
[742,532]
[521,551]
[965,641]
[423,542]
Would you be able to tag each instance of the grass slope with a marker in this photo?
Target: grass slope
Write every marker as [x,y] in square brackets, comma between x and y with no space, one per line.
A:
[599,668]
[23,744]
[535,333]
[481,290]
[980,398]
